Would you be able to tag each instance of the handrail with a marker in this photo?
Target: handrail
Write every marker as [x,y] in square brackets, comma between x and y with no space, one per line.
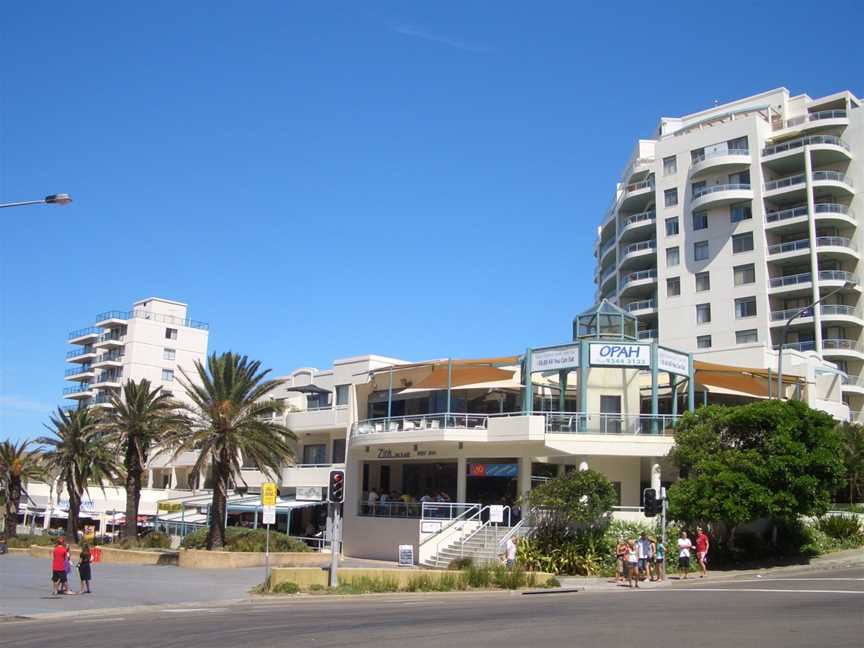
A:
[790,280]
[458,518]
[732,186]
[786,181]
[484,526]
[636,247]
[514,531]
[789,246]
[801,142]
[835,241]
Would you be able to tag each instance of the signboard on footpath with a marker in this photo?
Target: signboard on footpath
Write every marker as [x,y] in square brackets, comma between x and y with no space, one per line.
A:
[406,555]
[616,354]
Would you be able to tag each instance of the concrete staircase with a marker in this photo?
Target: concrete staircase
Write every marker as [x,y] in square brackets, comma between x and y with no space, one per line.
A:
[482,547]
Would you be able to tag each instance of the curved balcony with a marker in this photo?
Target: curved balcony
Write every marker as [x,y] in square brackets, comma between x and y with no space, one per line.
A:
[789,249]
[819,119]
[845,347]
[719,160]
[840,313]
[797,182]
[838,278]
[780,317]
[608,275]
[825,149]
[824,211]
[642,307]
[637,193]
[791,283]
[641,282]
[646,219]
[722,194]
[854,384]
[640,250]
[837,246]
[834,180]
[605,248]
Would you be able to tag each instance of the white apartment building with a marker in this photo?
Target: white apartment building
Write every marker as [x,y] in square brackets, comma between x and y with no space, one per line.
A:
[728,221]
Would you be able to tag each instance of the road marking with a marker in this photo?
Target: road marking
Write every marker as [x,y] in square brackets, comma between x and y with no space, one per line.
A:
[762,590]
[181,610]
[99,619]
[769,580]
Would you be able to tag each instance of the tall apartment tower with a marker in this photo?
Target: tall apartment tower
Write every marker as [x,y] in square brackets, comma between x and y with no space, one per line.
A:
[730,220]
[153,341]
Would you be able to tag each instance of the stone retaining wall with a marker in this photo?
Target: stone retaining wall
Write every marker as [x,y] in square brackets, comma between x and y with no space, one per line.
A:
[201,559]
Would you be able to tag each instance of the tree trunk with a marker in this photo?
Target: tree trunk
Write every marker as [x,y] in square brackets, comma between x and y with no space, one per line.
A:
[133,492]
[221,472]
[74,509]
[12,507]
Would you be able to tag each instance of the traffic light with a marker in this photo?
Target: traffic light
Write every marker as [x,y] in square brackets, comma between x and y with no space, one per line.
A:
[650,502]
[336,492]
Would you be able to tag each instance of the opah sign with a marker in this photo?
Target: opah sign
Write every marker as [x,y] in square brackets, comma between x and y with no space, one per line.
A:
[611,354]
[566,357]
[671,362]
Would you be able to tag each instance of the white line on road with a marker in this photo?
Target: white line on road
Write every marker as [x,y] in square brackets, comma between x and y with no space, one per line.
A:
[761,590]
[771,580]
[99,619]
[181,610]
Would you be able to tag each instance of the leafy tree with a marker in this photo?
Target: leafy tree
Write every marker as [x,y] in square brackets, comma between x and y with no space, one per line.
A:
[79,454]
[772,459]
[572,503]
[18,464]
[137,422]
[232,417]
[853,457]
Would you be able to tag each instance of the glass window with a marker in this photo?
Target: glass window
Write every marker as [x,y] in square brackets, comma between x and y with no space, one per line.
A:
[742,242]
[742,177]
[167,375]
[700,250]
[672,226]
[746,337]
[315,454]
[342,394]
[744,274]
[703,281]
[670,165]
[700,220]
[697,154]
[169,354]
[673,257]
[170,334]
[696,188]
[673,286]
[703,342]
[338,450]
[670,197]
[745,307]
[740,212]
[737,144]
[703,313]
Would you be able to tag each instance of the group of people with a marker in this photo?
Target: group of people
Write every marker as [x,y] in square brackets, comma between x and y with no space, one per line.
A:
[61,567]
[645,558]
[400,504]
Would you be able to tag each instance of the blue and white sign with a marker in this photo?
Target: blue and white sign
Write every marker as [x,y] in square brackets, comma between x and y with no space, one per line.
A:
[555,359]
[672,362]
[614,354]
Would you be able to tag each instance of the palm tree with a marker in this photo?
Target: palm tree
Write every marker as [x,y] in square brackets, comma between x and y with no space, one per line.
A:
[79,454]
[232,417]
[138,422]
[853,457]
[18,463]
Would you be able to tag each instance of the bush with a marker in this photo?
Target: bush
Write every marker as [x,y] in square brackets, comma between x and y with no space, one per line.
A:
[246,540]
[552,583]
[461,563]
[317,587]
[24,541]
[285,588]
[153,540]
[841,527]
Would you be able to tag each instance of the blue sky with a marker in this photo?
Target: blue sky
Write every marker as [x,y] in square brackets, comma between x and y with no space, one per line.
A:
[320,180]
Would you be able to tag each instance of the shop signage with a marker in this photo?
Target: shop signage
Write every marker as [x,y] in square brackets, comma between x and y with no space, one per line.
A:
[268,494]
[496,514]
[269,516]
[555,359]
[427,526]
[406,555]
[672,362]
[493,470]
[610,354]
[389,453]
[309,494]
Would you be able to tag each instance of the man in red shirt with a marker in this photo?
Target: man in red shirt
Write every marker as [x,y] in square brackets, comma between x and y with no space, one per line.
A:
[702,545]
[58,567]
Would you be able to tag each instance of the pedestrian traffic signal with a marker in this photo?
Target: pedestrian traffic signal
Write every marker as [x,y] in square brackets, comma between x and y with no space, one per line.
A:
[336,493]
[650,503]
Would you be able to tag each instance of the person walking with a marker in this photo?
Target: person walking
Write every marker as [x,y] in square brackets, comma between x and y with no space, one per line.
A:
[643,550]
[660,561]
[633,564]
[510,552]
[84,574]
[684,546]
[702,545]
[59,557]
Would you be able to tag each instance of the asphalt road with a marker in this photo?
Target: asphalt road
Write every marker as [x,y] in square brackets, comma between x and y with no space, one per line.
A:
[810,609]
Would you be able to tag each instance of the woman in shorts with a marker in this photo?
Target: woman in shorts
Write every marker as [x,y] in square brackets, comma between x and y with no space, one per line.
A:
[632,564]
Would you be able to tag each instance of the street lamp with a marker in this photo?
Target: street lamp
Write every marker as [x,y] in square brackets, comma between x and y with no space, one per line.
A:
[846,286]
[53,199]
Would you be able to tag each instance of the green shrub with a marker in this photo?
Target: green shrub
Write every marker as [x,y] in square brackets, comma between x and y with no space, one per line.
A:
[23,541]
[461,563]
[246,540]
[287,587]
[317,587]
[841,527]
[372,585]
[478,577]
[552,583]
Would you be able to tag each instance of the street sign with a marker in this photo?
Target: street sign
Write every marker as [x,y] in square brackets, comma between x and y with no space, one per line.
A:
[269,516]
[268,494]
[309,494]
[496,513]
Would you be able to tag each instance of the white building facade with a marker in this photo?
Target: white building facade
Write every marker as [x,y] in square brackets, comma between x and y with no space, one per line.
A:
[728,221]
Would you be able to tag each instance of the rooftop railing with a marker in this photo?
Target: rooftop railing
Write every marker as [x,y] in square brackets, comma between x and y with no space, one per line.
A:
[790,280]
[717,153]
[637,276]
[789,181]
[801,142]
[89,330]
[641,305]
[734,186]
[791,246]
[155,317]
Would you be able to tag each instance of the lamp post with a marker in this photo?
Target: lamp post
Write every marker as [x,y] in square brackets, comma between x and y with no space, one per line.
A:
[53,199]
[846,286]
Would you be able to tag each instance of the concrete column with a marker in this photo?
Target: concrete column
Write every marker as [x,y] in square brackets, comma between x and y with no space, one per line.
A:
[461,479]
[524,475]
[561,469]
[814,262]
[150,478]
[655,477]
[173,483]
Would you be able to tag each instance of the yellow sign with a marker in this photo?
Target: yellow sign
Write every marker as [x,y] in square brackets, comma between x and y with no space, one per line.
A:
[268,494]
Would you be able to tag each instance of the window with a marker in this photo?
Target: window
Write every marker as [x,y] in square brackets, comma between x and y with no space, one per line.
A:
[745,307]
[670,197]
[672,226]
[740,212]
[703,342]
[170,334]
[167,375]
[742,242]
[740,178]
[673,258]
[169,354]
[737,144]
[315,454]
[746,337]
[744,274]
[703,281]
[703,313]
[670,165]
[338,450]
[700,220]
[696,188]
[673,286]
[696,155]
[342,394]
[700,250]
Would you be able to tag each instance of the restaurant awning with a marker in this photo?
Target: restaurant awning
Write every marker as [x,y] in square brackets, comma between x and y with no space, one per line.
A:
[739,381]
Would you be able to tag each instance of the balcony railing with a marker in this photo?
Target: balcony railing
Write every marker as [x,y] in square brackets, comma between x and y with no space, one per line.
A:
[816,116]
[154,317]
[783,315]
[801,142]
[649,334]
[106,377]
[77,389]
[841,344]
[605,247]
[704,191]
[717,153]
[641,305]
[791,246]
[79,352]
[101,399]
[835,241]
[89,330]
[790,280]
[637,247]
[807,345]
[833,176]
[109,357]
[833,208]
[788,181]
[839,309]
[74,371]
[785,214]
[637,276]
[609,271]
[638,186]
[112,337]
[838,275]
[639,218]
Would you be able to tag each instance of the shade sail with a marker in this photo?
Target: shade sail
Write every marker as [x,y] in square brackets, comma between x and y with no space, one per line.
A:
[739,381]
[465,377]
[308,389]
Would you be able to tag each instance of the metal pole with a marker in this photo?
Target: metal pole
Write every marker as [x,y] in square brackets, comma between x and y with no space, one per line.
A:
[335,537]
[449,388]
[266,554]
[389,399]
[663,515]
